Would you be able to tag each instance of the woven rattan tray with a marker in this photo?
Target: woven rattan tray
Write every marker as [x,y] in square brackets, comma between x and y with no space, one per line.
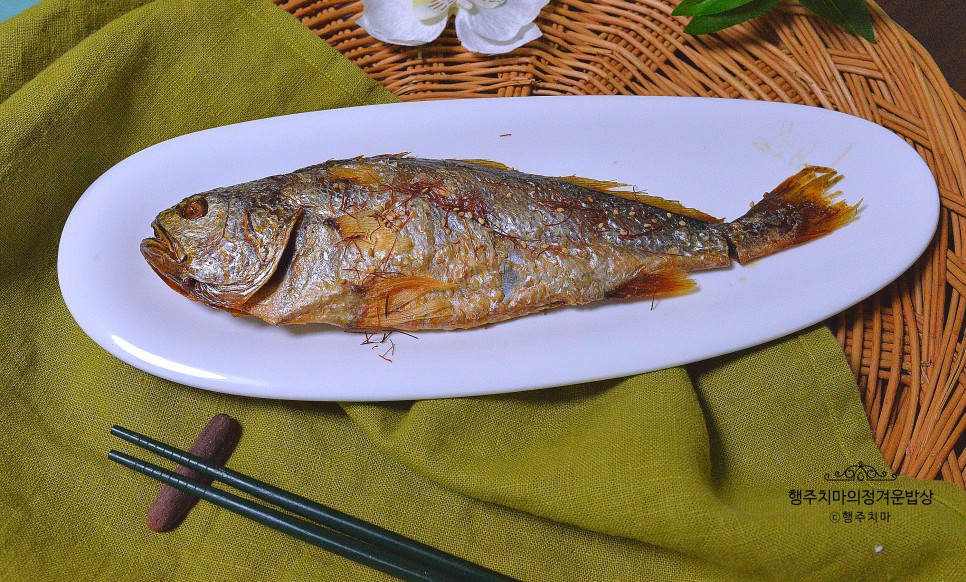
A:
[905,344]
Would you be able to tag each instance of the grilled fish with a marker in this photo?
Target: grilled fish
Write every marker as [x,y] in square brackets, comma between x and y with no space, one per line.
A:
[398,242]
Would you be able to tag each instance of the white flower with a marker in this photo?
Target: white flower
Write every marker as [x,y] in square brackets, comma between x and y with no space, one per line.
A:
[483,26]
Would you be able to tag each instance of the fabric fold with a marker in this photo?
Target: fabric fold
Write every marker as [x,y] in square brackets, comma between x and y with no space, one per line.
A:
[700,460]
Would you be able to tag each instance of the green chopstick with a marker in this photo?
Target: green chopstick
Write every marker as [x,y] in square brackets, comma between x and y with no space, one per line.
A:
[343,534]
[332,541]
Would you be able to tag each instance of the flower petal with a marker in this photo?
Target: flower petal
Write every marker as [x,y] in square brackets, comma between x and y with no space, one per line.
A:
[395,22]
[504,22]
[431,9]
[488,3]
[473,41]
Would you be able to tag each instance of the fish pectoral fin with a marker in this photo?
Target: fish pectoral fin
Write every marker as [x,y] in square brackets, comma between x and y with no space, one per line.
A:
[396,301]
[370,231]
[663,282]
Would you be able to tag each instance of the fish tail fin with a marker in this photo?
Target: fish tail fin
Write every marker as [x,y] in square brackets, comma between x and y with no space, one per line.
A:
[800,209]
[663,282]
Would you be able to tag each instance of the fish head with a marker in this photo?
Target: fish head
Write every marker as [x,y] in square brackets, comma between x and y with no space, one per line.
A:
[220,247]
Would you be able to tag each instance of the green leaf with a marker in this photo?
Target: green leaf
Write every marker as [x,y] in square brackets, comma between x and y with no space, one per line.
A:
[852,15]
[715,22]
[685,7]
[704,7]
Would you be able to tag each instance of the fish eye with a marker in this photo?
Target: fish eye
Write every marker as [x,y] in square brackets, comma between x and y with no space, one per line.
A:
[194,209]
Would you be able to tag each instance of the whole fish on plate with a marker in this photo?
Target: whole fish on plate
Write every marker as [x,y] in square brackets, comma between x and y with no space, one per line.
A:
[396,242]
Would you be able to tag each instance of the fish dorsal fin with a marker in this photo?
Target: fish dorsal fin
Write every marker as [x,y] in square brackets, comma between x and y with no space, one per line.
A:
[669,205]
[602,185]
[608,187]
[489,164]
[395,301]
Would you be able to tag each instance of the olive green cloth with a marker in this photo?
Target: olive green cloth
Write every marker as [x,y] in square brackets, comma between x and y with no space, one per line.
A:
[680,474]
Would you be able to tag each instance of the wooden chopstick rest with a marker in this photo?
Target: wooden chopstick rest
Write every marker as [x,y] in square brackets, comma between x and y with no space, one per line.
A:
[215,444]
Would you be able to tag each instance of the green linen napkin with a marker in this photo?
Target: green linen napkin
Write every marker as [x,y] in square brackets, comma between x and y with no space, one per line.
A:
[687,473]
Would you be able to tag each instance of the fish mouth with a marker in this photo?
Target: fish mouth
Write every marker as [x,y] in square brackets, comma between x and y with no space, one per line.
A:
[166,243]
[167,257]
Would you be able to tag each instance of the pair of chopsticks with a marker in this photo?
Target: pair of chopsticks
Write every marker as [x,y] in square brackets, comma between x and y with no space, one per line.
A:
[317,524]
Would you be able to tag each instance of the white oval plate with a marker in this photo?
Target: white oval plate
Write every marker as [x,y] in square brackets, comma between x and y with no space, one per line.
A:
[716,155]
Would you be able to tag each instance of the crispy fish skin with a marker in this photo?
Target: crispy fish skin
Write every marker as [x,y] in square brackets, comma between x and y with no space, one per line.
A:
[395,242]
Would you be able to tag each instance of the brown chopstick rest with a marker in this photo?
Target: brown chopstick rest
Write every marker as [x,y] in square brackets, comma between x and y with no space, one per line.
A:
[215,444]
